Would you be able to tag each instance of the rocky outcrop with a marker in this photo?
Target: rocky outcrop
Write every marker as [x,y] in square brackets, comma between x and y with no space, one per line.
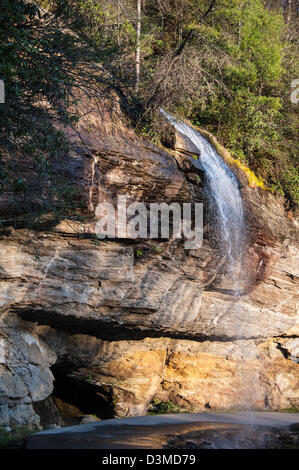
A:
[125,320]
[208,375]
[25,376]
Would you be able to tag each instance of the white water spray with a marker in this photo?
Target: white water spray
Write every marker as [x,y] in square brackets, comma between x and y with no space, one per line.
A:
[223,189]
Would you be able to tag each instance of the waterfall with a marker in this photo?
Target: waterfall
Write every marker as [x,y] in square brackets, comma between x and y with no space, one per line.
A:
[222,188]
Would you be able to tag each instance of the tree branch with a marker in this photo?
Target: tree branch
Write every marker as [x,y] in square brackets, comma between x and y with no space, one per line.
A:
[191,32]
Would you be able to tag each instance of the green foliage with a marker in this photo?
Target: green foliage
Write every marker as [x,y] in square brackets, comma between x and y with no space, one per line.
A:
[254,41]
[226,66]
[289,182]
[15,438]
[32,69]
[34,72]
[249,112]
[166,407]
[241,60]
[43,66]
[249,124]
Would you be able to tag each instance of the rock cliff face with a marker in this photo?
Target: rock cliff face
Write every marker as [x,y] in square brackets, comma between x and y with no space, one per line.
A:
[121,322]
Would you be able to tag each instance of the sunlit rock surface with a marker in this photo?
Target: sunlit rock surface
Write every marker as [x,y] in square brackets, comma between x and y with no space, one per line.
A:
[165,324]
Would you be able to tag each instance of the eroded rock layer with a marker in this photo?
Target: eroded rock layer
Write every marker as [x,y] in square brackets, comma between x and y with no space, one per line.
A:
[123,321]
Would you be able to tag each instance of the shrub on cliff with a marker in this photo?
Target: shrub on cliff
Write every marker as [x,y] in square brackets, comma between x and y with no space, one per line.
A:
[43,65]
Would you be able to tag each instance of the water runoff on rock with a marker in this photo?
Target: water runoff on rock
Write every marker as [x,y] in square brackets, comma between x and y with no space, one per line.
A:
[223,190]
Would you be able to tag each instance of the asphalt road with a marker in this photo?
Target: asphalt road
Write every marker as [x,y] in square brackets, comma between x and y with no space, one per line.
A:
[149,432]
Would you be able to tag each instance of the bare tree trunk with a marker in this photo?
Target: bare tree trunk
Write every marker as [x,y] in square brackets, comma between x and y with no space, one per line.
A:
[177,52]
[239,32]
[118,37]
[180,33]
[288,17]
[289,12]
[138,34]
[191,32]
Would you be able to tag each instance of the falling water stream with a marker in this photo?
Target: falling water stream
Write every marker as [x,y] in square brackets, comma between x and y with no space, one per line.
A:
[222,190]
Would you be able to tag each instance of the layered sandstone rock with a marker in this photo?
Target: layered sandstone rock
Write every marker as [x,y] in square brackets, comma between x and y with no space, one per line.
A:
[125,376]
[25,376]
[129,322]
